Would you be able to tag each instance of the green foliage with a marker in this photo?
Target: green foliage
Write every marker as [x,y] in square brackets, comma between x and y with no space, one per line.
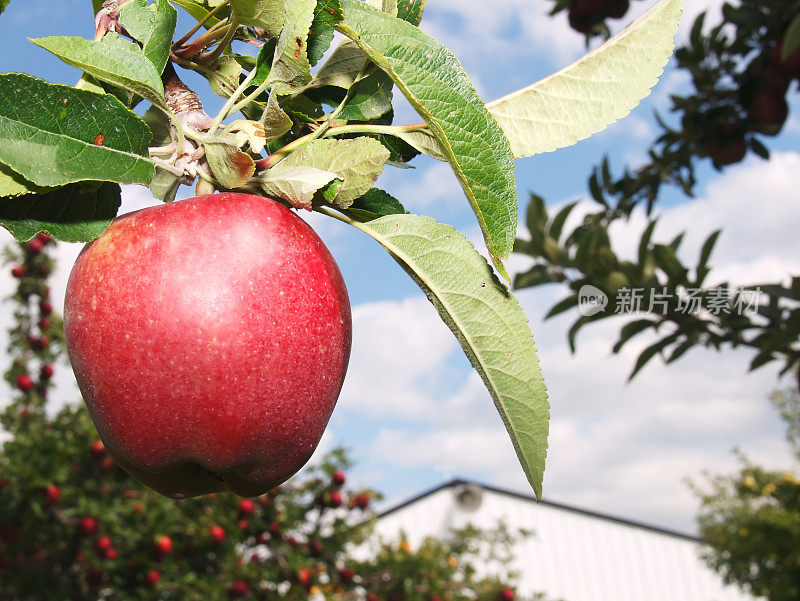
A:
[730,65]
[112,60]
[663,294]
[153,26]
[435,84]
[75,213]
[751,522]
[486,320]
[54,134]
[74,526]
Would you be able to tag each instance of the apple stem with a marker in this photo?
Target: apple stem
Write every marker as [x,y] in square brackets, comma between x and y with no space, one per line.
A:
[229,107]
[185,38]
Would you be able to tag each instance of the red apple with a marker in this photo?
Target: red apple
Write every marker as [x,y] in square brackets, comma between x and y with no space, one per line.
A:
[210,338]
[217,533]
[769,110]
[52,493]
[103,544]
[152,577]
[24,383]
[339,478]
[246,507]
[88,526]
[164,545]
[506,594]
[239,589]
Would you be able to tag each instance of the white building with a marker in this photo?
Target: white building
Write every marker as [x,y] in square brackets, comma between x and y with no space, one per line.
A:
[574,555]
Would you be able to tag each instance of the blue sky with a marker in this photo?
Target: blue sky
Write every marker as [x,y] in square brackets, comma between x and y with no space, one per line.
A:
[413,411]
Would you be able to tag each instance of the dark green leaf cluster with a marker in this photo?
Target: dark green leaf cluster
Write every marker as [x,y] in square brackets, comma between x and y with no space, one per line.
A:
[671,300]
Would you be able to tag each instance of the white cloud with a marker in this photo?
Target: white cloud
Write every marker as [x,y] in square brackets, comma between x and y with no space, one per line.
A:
[398,348]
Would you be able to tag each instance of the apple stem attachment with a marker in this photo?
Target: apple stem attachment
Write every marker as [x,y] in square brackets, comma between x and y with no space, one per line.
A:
[183,102]
[107,18]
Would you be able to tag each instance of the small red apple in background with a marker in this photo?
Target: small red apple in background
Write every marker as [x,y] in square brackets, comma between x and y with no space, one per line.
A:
[88,526]
[339,478]
[210,338]
[336,499]
[152,577]
[506,594]
[24,383]
[304,577]
[217,533]
[164,545]
[18,272]
[246,507]
[52,493]
[239,589]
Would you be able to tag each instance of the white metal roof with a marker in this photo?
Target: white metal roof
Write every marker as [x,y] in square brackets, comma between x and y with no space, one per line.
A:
[574,555]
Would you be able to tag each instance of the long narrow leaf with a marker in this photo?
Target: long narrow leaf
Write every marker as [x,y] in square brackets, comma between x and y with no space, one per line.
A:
[436,85]
[600,88]
[485,318]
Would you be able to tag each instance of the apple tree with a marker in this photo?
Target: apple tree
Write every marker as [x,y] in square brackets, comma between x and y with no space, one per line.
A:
[74,525]
[751,520]
[310,139]
[742,69]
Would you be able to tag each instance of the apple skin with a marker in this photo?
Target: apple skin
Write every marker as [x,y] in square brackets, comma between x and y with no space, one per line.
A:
[210,338]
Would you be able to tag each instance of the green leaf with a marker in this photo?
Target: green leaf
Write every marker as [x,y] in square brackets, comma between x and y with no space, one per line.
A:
[631,329]
[74,213]
[153,26]
[269,14]
[291,69]
[554,231]
[669,263]
[563,305]
[357,162]
[644,242]
[223,76]
[113,60]
[3,5]
[650,352]
[164,185]
[232,167]
[198,12]
[52,134]
[437,87]
[341,69]
[791,39]
[600,88]
[705,255]
[485,318]
[411,10]
[370,98]
[326,14]
[13,184]
[276,122]
[422,141]
[296,184]
[373,204]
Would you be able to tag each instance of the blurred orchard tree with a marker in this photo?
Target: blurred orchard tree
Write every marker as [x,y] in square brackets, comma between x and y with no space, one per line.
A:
[74,526]
[751,520]
[741,71]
